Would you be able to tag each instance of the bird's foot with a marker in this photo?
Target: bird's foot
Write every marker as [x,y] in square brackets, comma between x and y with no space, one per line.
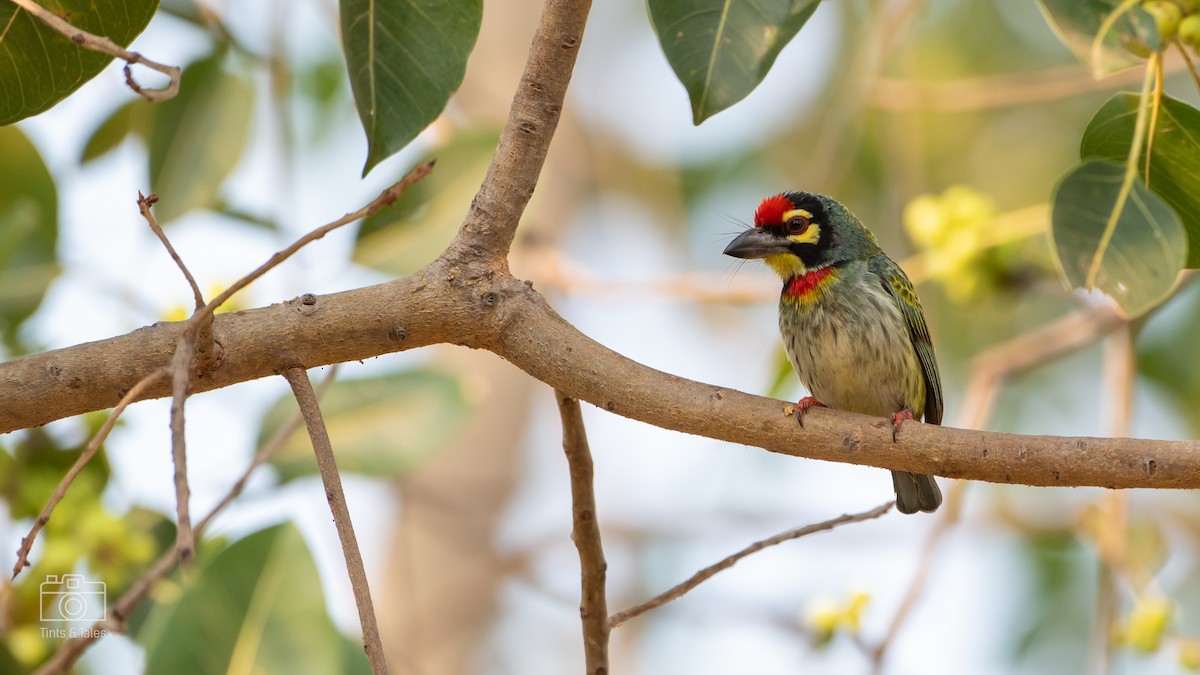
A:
[804,404]
[897,418]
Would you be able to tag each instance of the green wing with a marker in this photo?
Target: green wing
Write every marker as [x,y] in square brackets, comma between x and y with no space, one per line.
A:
[901,289]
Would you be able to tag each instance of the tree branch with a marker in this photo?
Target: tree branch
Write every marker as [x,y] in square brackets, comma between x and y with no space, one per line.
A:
[512,176]
[309,407]
[446,303]
[104,45]
[678,591]
[593,607]
[144,204]
[90,451]
[70,651]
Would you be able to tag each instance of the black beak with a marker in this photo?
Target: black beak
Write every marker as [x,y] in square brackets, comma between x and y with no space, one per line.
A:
[756,243]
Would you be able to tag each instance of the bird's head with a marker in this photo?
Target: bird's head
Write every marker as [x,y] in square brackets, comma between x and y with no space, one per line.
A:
[796,232]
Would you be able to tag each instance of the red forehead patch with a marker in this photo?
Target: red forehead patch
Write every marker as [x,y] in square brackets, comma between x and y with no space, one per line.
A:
[771,210]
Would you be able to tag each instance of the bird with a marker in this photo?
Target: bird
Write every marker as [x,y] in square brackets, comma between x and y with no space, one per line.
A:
[850,320]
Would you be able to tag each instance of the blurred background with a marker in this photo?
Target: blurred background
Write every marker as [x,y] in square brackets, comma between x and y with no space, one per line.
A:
[943,124]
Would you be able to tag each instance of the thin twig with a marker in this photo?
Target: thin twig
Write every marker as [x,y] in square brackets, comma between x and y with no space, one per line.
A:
[84,457]
[950,515]
[703,575]
[201,321]
[70,651]
[144,204]
[180,375]
[385,199]
[97,43]
[593,607]
[181,361]
[997,91]
[1191,66]
[302,389]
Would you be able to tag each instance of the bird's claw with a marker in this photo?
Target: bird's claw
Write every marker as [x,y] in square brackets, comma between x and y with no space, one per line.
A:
[897,418]
[803,405]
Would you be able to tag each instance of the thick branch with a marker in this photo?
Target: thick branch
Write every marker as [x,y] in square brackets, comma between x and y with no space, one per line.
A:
[448,303]
[492,221]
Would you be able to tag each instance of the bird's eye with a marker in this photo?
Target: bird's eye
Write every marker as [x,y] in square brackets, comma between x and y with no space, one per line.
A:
[797,225]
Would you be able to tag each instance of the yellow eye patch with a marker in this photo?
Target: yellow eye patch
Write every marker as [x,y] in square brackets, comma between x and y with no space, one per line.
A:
[809,234]
[788,215]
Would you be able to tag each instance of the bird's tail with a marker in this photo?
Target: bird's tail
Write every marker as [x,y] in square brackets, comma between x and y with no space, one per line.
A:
[916,492]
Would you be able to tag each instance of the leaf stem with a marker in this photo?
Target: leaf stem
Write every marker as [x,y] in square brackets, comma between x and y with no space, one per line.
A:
[1131,163]
[1155,106]
[1191,65]
[1105,27]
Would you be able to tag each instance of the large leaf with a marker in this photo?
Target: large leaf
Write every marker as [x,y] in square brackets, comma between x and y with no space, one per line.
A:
[256,607]
[40,67]
[1174,154]
[722,49]
[1148,246]
[379,426]
[1077,22]
[404,238]
[198,137]
[406,57]
[28,230]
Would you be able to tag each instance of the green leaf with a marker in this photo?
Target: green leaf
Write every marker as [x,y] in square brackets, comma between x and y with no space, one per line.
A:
[404,238]
[1077,22]
[1174,154]
[379,426]
[722,49]
[256,607]
[28,230]
[1170,333]
[405,57]
[1140,263]
[40,67]
[135,117]
[198,138]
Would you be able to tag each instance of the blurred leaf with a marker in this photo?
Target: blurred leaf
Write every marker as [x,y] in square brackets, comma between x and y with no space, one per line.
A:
[40,67]
[405,58]
[404,238]
[1174,154]
[1058,604]
[31,472]
[783,381]
[321,90]
[198,137]
[1169,334]
[28,230]
[1148,246]
[1077,22]
[186,10]
[380,426]
[722,49]
[256,607]
[8,663]
[135,117]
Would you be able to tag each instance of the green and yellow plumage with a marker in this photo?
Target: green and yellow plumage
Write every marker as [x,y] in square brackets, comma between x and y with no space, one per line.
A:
[849,317]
